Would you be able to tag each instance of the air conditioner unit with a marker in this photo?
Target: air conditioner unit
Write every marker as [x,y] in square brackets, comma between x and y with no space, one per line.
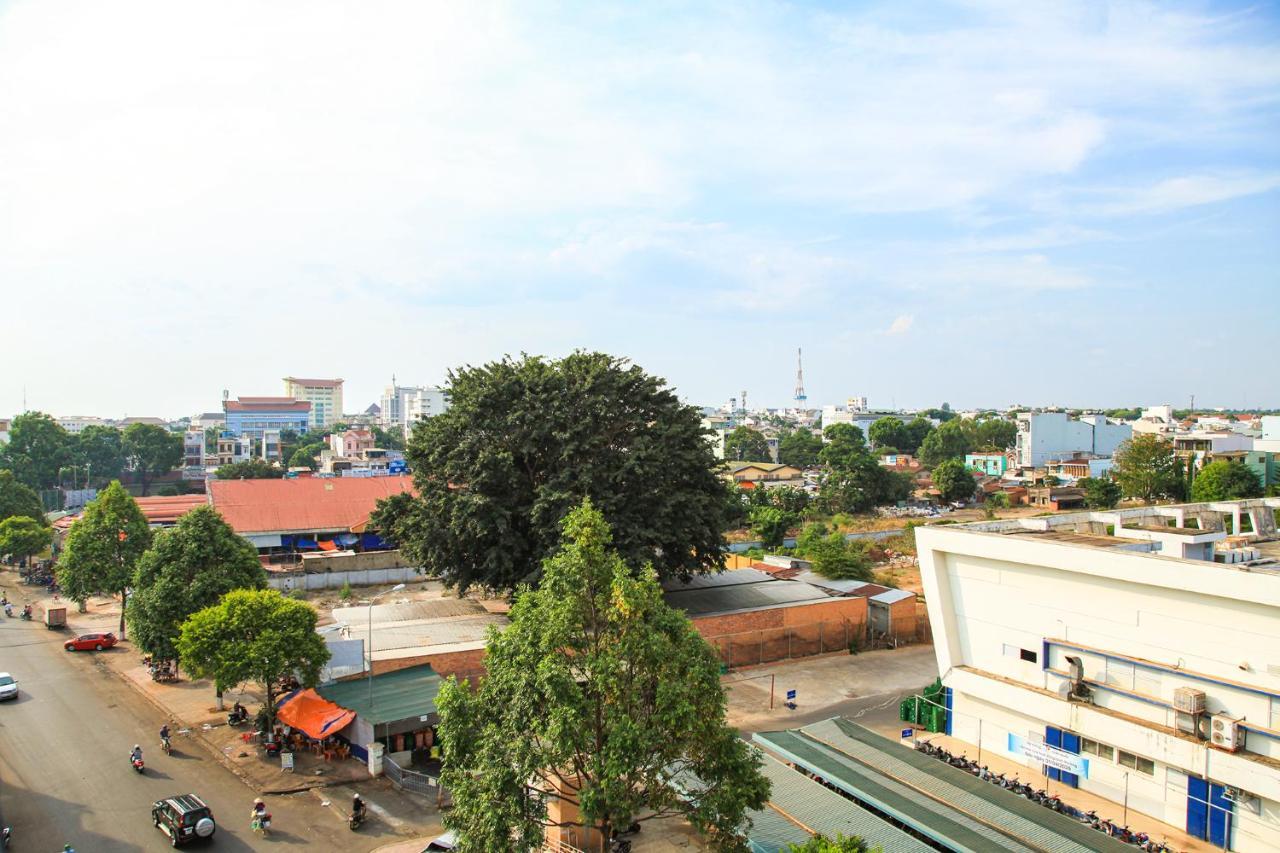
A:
[1188,700]
[1225,732]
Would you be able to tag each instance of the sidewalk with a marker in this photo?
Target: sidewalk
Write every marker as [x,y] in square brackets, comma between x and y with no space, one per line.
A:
[1083,800]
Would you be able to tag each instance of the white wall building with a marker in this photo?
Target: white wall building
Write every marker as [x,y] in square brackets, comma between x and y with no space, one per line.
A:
[1157,419]
[1054,631]
[1054,435]
[75,424]
[404,405]
[324,395]
[855,412]
[426,403]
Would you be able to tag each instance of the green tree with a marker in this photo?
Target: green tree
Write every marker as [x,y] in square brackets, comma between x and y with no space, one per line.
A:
[914,434]
[1223,480]
[951,440]
[250,469]
[305,456]
[953,481]
[392,439]
[1099,492]
[996,433]
[597,678]
[102,549]
[100,450]
[211,438]
[17,498]
[845,447]
[890,432]
[253,635]
[771,524]
[856,482]
[187,568]
[840,844]
[745,444]
[1146,468]
[799,448]
[839,558]
[523,442]
[941,415]
[152,451]
[22,537]
[37,451]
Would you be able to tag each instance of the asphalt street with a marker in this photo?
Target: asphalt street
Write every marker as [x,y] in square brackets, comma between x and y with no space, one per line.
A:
[65,776]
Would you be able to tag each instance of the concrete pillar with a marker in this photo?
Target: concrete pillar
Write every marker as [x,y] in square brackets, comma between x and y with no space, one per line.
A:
[375,758]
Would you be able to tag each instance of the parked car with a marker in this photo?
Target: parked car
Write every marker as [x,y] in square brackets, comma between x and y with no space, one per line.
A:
[96,642]
[183,817]
[8,686]
[448,841]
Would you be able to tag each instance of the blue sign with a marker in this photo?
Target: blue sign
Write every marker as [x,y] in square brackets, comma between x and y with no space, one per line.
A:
[791,694]
[908,732]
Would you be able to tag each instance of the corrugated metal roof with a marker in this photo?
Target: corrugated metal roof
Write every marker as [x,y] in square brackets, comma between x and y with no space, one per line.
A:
[731,577]
[431,608]
[752,596]
[400,695]
[892,595]
[845,587]
[797,801]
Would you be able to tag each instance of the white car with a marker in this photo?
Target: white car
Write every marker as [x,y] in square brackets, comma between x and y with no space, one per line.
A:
[448,841]
[8,686]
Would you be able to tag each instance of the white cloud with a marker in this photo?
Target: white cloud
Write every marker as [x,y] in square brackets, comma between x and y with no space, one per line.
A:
[1178,193]
[900,325]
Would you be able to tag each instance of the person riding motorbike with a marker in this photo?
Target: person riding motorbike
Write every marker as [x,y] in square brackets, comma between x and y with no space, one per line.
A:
[8,609]
[136,755]
[357,808]
[164,736]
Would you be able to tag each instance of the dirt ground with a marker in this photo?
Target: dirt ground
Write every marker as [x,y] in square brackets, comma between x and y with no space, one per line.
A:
[325,600]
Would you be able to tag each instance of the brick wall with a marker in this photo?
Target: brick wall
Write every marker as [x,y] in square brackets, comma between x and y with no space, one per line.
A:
[827,610]
[801,630]
[464,664]
[902,618]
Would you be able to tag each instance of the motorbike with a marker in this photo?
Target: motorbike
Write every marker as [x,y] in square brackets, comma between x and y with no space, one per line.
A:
[357,818]
[137,763]
[260,822]
[236,718]
[5,834]
[167,745]
[26,614]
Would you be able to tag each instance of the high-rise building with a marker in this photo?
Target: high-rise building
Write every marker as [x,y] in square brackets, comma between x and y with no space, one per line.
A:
[324,395]
[403,405]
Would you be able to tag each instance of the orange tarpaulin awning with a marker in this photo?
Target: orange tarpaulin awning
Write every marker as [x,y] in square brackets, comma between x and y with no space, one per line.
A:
[316,716]
[327,545]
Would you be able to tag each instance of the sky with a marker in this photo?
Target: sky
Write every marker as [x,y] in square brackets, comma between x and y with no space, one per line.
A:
[983,203]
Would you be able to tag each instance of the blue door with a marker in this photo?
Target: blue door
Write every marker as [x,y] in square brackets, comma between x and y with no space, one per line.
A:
[1067,742]
[1209,812]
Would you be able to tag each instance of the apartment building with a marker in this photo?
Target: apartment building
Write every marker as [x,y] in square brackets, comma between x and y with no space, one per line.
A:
[1131,653]
[251,416]
[324,395]
[404,405]
[1043,436]
[75,424]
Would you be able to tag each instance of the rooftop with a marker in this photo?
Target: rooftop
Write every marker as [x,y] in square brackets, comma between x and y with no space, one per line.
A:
[314,383]
[270,404]
[303,504]
[735,591]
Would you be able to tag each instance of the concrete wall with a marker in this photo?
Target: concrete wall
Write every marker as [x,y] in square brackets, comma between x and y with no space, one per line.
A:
[285,581]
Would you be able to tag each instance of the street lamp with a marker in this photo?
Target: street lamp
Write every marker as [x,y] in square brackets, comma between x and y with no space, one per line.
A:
[395,588]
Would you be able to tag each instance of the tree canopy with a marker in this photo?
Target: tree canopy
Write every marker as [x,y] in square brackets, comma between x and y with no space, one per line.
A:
[839,844]
[770,523]
[37,451]
[598,681]
[800,448]
[834,555]
[22,537]
[100,450]
[187,568]
[1146,467]
[745,444]
[953,481]
[17,498]
[102,549]
[994,433]
[1100,492]
[1224,480]
[152,452]
[253,635]
[249,469]
[855,481]
[304,457]
[524,441]
[951,440]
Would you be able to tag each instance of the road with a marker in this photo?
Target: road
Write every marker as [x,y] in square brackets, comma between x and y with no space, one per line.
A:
[64,746]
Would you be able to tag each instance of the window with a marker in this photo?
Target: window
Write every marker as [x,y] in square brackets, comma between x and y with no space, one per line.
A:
[1029,655]
[1099,749]
[1135,762]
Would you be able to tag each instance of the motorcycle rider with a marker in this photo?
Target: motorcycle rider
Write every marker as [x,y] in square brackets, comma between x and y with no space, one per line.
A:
[357,808]
[136,755]
[164,734]
[26,611]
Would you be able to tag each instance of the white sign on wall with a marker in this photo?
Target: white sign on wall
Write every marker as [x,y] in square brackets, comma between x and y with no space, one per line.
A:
[1051,756]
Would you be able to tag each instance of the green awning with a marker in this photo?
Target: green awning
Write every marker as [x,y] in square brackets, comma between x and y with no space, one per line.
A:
[406,694]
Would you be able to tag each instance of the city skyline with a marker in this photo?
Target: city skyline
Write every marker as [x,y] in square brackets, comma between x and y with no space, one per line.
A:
[985,203]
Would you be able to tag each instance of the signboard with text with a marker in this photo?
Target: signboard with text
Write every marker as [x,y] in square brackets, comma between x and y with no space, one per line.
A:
[1050,756]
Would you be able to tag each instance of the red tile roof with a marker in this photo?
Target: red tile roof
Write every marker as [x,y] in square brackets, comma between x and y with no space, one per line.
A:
[168,509]
[302,505]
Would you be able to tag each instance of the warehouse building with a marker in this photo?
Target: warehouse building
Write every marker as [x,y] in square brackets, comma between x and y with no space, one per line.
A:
[1138,648]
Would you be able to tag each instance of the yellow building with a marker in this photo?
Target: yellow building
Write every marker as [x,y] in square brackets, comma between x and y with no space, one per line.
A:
[324,395]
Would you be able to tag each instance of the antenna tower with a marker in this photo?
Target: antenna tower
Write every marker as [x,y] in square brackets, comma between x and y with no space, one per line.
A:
[800,396]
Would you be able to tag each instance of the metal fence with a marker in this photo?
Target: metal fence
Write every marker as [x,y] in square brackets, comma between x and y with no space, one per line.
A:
[769,645]
[413,781]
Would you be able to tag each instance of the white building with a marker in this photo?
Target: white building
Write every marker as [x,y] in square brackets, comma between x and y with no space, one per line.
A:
[1157,419]
[75,424]
[1053,435]
[1143,644]
[426,403]
[5,424]
[324,395]
[855,412]
[194,456]
[404,405]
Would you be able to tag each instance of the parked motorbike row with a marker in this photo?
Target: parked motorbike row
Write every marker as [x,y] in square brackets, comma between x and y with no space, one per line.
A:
[1141,840]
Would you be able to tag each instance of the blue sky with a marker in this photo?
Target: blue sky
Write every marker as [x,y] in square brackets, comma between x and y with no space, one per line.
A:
[983,203]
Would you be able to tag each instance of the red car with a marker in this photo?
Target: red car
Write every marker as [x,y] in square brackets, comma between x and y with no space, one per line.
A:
[85,642]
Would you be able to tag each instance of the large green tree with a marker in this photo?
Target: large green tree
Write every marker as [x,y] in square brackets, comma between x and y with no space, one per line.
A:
[839,844]
[745,444]
[249,469]
[1100,492]
[854,481]
[253,635]
[799,448]
[951,440]
[953,481]
[770,523]
[102,549]
[22,537]
[100,451]
[1223,480]
[152,451]
[839,558]
[17,498]
[524,441]
[187,568]
[1146,467]
[996,433]
[597,681]
[914,434]
[37,451]
[890,432]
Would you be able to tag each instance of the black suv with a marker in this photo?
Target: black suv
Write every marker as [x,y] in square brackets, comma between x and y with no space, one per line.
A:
[183,818]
